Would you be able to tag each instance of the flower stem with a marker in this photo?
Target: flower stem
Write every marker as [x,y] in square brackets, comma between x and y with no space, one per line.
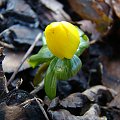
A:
[40,73]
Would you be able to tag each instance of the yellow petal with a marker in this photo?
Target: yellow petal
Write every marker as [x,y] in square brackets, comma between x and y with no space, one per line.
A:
[62,39]
[73,37]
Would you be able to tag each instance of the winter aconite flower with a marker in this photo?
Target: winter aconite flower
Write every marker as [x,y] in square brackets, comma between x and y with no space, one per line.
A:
[58,58]
[62,39]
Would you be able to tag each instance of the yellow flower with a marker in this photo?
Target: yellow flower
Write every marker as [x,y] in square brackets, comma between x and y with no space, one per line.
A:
[62,39]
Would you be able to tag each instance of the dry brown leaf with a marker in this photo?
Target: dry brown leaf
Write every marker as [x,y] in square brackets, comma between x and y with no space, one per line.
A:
[56,10]
[96,11]
[111,74]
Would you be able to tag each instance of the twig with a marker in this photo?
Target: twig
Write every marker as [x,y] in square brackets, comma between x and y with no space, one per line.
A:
[93,42]
[40,86]
[41,107]
[24,58]
[39,104]
[29,101]
[7,45]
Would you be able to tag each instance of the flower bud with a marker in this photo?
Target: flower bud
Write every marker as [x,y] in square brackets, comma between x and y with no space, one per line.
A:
[62,39]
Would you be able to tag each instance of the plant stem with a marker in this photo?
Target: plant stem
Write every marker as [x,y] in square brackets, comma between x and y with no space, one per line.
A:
[38,88]
[38,77]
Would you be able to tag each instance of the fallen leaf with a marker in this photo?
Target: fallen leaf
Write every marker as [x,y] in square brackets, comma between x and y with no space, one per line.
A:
[96,11]
[12,61]
[111,73]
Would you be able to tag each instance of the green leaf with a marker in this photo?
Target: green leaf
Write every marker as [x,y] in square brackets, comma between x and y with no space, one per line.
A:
[44,39]
[50,80]
[50,86]
[44,55]
[67,68]
[61,69]
[81,33]
[84,43]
